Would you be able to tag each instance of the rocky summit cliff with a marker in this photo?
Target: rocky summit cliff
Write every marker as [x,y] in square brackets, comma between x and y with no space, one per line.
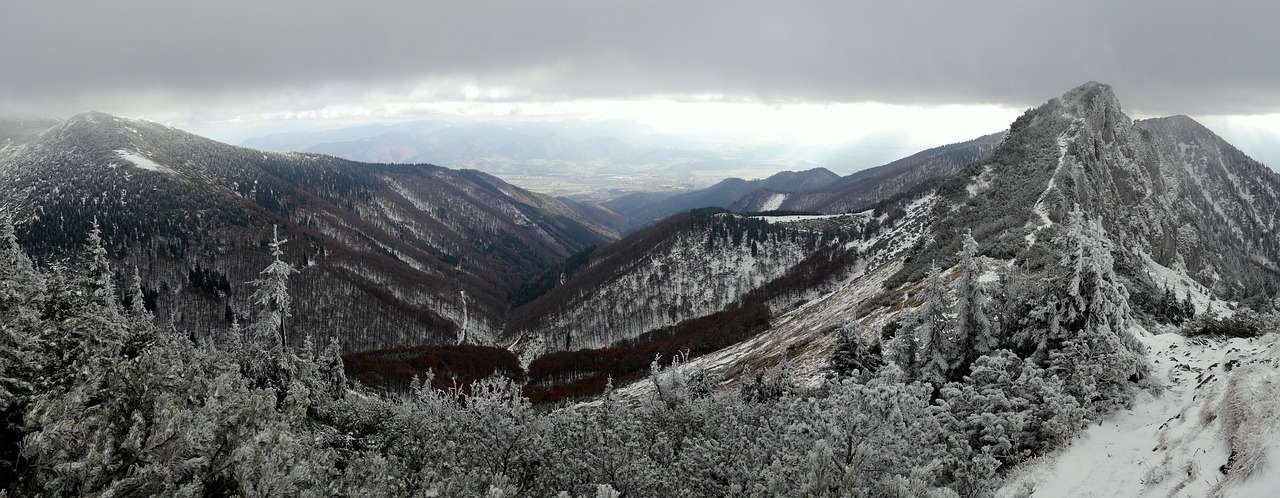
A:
[1168,191]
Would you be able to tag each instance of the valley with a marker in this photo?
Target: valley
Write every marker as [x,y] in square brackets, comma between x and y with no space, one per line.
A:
[988,317]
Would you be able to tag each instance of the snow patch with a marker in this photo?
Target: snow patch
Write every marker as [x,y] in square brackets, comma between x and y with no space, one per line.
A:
[774,202]
[981,182]
[1184,287]
[143,162]
[1211,430]
[797,217]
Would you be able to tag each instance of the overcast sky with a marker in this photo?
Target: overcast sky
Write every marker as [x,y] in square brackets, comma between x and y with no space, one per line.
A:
[241,65]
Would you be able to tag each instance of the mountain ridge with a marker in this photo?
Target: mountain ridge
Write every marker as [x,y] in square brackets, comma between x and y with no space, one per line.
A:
[425,254]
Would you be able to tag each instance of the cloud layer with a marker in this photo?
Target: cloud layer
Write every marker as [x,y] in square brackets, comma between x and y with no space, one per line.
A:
[1162,57]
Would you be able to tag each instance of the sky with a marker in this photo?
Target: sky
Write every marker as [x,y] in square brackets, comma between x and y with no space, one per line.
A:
[925,72]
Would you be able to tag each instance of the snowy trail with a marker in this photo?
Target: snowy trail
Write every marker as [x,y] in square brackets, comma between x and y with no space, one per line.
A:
[1053,179]
[1178,443]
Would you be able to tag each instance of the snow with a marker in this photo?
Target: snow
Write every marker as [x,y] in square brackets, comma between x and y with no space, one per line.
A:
[797,330]
[1218,399]
[981,182]
[798,217]
[1184,287]
[774,202]
[1039,208]
[144,162]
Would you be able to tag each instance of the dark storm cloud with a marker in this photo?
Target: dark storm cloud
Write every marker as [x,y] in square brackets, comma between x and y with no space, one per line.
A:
[1162,57]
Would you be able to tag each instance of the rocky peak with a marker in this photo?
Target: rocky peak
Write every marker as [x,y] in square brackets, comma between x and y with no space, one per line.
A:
[1097,106]
[1181,128]
[1166,189]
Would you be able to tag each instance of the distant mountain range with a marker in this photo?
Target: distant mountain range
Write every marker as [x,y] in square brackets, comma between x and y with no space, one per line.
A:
[594,161]
[861,190]
[815,191]
[644,207]
[429,255]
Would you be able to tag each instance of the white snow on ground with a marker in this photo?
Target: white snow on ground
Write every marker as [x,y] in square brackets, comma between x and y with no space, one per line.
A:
[1212,429]
[799,327]
[774,202]
[798,217]
[799,330]
[1184,287]
[143,162]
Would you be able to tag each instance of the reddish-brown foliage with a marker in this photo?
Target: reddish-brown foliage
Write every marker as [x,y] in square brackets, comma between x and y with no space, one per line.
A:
[822,266]
[582,373]
[394,369]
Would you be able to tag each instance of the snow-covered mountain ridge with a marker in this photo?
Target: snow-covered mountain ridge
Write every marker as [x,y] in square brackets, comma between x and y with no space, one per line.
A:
[415,254]
[688,266]
[1168,188]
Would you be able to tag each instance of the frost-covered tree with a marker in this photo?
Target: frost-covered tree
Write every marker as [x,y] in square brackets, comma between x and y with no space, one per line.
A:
[98,275]
[769,384]
[1005,411]
[14,263]
[933,328]
[1090,346]
[903,350]
[331,369]
[880,429]
[975,333]
[21,297]
[670,384]
[271,295]
[137,302]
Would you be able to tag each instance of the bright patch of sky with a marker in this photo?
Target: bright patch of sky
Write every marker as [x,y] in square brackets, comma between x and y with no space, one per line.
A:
[815,124]
[813,128]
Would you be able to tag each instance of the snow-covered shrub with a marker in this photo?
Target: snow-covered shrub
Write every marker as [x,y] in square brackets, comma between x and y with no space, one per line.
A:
[1244,323]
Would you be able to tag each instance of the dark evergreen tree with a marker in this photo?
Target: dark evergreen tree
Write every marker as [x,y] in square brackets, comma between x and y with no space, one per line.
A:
[853,354]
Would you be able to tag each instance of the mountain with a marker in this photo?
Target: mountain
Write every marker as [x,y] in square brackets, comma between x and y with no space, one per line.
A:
[817,190]
[687,266]
[389,254]
[1168,191]
[588,160]
[1185,216]
[1086,309]
[861,190]
[643,211]
[18,129]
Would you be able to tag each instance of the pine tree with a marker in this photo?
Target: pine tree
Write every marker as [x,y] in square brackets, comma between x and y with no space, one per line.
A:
[903,351]
[1096,354]
[975,333]
[272,295]
[332,370]
[98,285]
[19,286]
[852,354]
[14,263]
[137,305]
[933,328]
